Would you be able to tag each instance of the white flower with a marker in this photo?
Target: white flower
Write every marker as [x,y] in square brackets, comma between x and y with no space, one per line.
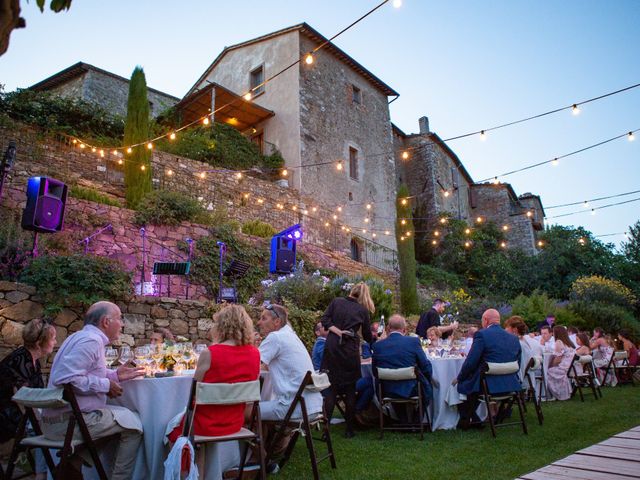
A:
[316,273]
[251,301]
[266,283]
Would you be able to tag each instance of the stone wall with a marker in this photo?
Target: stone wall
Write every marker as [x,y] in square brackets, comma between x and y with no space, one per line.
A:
[110,92]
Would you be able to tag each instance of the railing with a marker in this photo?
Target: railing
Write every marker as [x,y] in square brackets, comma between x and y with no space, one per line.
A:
[379,256]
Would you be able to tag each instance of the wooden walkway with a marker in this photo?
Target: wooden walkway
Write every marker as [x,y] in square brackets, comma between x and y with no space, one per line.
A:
[617,458]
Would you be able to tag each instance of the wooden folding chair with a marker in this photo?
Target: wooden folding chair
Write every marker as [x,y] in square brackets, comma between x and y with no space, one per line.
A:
[53,398]
[586,379]
[619,363]
[535,363]
[228,394]
[411,403]
[302,426]
[505,400]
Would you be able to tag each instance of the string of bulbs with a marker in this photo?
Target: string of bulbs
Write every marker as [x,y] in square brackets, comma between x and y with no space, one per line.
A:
[593,210]
[586,202]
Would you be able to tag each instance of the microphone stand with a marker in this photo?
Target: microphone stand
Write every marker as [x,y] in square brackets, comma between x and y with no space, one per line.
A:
[142,276]
[92,236]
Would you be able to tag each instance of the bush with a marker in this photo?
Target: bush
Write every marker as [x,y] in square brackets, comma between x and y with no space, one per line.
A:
[602,290]
[305,291]
[534,308]
[83,193]
[64,115]
[15,246]
[303,323]
[163,207]
[258,228]
[431,276]
[76,280]
[611,318]
[381,295]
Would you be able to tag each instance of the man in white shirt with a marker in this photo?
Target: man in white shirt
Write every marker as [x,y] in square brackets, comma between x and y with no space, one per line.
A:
[546,339]
[288,362]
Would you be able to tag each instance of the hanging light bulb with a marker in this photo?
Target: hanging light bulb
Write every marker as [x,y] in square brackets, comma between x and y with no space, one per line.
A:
[593,211]
[387,232]
[575,109]
[401,239]
[483,135]
[403,201]
[364,230]
[408,234]
[74,141]
[446,193]
[503,244]
[169,172]
[314,209]
[586,204]
[247,96]
[436,233]
[339,166]
[246,196]
[434,242]
[505,227]
[150,146]
[143,168]
[295,208]
[102,153]
[203,175]
[495,181]
[540,243]
[339,209]
[403,222]
[368,206]
[366,220]
[305,212]
[373,235]
[129,150]
[443,220]
[326,224]
[467,231]
[630,137]
[239,175]
[335,217]
[555,162]
[285,172]
[405,155]
[82,145]
[308,59]
[205,121]
[120,161]
[93,149]
[467,244]
[529,214]
[260,201]
[397,3]
[479,219]
[172,136]
[115,152]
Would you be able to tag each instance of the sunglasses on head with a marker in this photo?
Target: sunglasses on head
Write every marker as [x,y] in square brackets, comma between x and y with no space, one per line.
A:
[271,309]
[45,323]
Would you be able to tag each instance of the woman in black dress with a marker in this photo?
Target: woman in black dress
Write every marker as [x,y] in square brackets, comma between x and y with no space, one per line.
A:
[21,368]
[343,319]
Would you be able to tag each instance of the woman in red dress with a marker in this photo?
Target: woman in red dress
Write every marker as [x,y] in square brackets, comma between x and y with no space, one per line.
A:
[231,358]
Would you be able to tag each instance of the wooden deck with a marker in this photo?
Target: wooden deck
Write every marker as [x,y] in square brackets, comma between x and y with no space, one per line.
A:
[617,458]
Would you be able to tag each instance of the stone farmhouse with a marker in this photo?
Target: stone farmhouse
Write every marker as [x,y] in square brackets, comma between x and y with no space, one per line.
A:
[333,112]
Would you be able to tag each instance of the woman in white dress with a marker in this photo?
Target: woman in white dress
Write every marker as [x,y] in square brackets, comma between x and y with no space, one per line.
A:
[602,351]
[582,344]
[558,383]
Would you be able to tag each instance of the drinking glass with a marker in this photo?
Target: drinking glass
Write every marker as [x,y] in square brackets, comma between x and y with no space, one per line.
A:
[110,355]
[141,354]
[125,355]
[200,347]
[446,345]
[187,354]
[156,355]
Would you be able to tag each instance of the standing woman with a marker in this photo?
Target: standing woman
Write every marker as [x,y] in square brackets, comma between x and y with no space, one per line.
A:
[343,318]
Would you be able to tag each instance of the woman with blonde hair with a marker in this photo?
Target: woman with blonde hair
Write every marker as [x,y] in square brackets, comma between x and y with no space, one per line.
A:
[231,358]
[344,319]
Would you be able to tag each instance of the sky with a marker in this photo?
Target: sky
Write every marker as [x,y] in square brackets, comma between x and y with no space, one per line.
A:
[468,65]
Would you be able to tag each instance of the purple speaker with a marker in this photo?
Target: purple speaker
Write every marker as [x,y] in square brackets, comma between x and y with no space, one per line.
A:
[46,199]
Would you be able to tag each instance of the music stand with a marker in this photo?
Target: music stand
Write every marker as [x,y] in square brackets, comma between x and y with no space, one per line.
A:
[171,268]
[236,269]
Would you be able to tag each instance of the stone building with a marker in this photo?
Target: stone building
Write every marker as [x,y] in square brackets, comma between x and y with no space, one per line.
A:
[92,84]
[320,115]
[440,184]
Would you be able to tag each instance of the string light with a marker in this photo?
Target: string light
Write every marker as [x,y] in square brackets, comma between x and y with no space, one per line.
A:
[403,221]
[443,220]
[239,175]
[326,224]
[82,145]
[630,137]
[408,234]
[529,214]
[405,155]
[401,239]
[368,206]
[150,146]
[115,152]
[102,153]
[247,96]
[205,121]
[129,150]
[467,244]
[366,220]
[74,141]
[172,136]
[446,193]
[434,242]
[585,203]
[436,233]
[483,135]
[503,244]
[555,162]
[203,175]
[540,243]
[403,201]
[335,217]
[308,59]
[246,196]
[479,220]
[169,172]
[305,212]
[143,168]
[314,209]
[295,208]
[339,166]
[387,232]
[581,241]
[505,227]
[260,201]
[575,109]
[120,162]
[364,230]
[93,149]
[373,235]
[285,172]
[339,209]
[467,231]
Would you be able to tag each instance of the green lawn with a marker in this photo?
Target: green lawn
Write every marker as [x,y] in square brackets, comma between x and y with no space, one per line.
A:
[475,455]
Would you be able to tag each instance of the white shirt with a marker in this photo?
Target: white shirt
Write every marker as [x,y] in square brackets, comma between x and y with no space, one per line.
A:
[288,362]
[534,343]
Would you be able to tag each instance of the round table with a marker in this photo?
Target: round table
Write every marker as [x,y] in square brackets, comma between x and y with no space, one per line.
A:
[444,416]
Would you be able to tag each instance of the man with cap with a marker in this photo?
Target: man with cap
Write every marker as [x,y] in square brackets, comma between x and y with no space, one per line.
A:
[432,319]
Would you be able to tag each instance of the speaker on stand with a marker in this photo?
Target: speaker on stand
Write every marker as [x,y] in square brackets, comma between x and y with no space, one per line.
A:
[44,211]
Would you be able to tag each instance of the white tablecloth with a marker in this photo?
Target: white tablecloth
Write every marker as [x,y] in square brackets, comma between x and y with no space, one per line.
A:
[158,400]
[443,416]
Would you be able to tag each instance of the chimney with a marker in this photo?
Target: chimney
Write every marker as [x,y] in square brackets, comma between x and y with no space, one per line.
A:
[424,124]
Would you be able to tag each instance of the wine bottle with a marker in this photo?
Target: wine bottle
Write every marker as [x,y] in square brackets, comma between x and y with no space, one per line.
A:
[381,326]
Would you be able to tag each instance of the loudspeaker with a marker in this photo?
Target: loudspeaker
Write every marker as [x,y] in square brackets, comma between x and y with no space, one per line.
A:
[283,255]
[46,200]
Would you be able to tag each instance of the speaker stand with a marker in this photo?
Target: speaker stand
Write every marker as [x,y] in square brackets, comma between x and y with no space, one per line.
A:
[34,250]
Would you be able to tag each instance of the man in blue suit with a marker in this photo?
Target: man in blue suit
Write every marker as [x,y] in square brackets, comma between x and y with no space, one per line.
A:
[399,351]
[491,344]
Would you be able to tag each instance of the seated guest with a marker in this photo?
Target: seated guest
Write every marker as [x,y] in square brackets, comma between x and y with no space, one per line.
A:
[634,359]
[431,318]
[161,335]
[434,335]
[288,362]
[400,351]
[468,339]
[602,350]
[231,358]
[549,321]
[374,332]
[318,347]
[80,362]
[558,383]
[21,368]
[582,344]
[547,342]
[491,344]
[516,326]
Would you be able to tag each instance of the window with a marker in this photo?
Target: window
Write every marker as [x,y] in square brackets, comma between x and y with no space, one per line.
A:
[256,77]
[353,163]
[356,95]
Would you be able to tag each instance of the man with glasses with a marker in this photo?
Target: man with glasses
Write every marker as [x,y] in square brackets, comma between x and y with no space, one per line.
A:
[81,362]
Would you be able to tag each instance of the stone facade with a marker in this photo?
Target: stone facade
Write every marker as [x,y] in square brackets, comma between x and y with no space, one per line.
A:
[316,122]
[110,91]
[440,185]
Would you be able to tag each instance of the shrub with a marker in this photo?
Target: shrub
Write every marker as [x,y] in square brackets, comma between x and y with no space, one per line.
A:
[163,207]
[603,290]
[303,322]
[431,276]
[381,295]
[611,318]
[76,280]
[83,193]
[258,228]
[534,308]
[15,245]
[300,289]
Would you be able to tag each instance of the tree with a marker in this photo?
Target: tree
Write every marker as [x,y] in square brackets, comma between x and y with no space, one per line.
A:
[405,234]
[137,167]
[631,268]
[10,18]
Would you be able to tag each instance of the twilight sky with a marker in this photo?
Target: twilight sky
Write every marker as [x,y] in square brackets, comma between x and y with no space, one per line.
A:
[467,65]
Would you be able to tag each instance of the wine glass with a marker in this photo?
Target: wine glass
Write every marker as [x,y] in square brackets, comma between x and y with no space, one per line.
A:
[141,354]
[446,345]
[125,355]
[187,354]
[200,347]
[110,355]
[156,355]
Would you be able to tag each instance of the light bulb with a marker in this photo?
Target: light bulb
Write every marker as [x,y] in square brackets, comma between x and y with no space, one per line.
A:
[555,162]
[630,137]
[467,244]
[308,59]
[260,201]
[387,232]
[326,224]
[540,243]
[93,149]
[368,206]
[339,166]
[203,175]
[593,212]
[479,219]
[285,172]
[169,172]
[575,109]
[467,231]
[339,209]
[246,195]
[120,162]
[129,150]
[403,201]
[505,227]
[446,193]
[397,3]
[335,217]
[205,121]
[408,234]
[247,96]
[239,175]
[529,214]
[82,145]
[149,145]
[443,220]
[364,230]
[373,235]
[115,152]
[503,244]
[434,242]
[172,136]
[143,168]
[405,155]
[314,209]
[366,220]
[403,221]
[495,181]
[436,233]
[483,135]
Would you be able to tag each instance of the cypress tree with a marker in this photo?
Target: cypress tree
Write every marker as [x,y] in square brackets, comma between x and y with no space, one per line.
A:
[406,253]
[136,130]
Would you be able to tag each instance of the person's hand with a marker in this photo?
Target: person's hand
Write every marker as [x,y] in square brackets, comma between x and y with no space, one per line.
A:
[115,390]
[454,381]
[127,373]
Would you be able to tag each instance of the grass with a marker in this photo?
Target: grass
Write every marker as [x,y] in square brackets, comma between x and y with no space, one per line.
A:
[475,455]
[83,193]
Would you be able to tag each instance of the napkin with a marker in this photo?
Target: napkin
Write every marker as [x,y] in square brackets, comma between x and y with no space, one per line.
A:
[452,397]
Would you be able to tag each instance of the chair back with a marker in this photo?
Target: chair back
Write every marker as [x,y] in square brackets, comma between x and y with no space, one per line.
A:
[395,374]
[506,368]
[585,359]
[622,355]
[40,397]
[319,382]
[227,393]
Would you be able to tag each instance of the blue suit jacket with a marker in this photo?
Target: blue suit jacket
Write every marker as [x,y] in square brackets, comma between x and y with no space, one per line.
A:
[398,351]
[491,344]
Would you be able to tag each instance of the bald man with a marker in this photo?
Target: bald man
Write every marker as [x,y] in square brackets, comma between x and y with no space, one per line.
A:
[399,351]
[491,344]
[81,363]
